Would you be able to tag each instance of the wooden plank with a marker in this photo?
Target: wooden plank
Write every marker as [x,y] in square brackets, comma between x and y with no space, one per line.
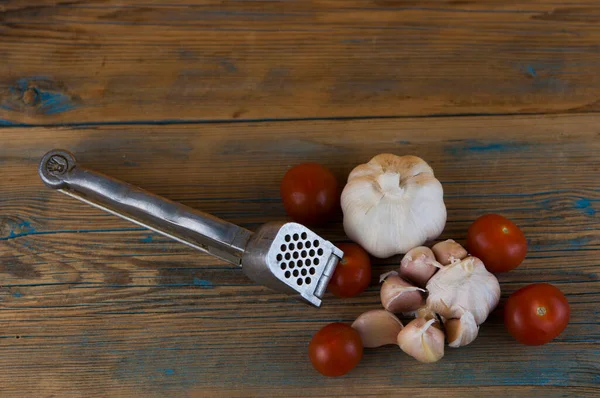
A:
[92,305]
[92,61]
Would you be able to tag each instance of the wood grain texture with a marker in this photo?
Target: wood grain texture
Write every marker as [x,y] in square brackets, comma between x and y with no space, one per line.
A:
[96,61]
[91,305]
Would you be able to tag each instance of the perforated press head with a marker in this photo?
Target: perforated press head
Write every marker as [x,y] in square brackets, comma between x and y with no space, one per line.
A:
[291,258]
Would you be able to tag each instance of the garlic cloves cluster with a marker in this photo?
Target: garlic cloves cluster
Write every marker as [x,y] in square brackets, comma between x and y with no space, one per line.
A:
[459,291]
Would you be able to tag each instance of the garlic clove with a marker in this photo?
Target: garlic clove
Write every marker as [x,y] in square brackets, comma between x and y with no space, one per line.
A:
[422,341]
[464,286]
[377,328]
[461,332]
[419,265]
[448,252]
[397,295]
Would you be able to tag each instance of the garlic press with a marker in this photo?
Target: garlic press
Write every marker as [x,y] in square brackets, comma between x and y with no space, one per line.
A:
[284,256]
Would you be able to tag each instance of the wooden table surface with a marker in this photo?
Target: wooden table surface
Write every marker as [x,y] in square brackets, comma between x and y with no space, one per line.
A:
[209,103]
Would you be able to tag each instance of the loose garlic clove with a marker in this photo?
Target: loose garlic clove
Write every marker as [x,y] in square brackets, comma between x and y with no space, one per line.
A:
[397,295]
[419,265]
[422,341]
[461,332]
[377,328]
[464,286]
[448,252]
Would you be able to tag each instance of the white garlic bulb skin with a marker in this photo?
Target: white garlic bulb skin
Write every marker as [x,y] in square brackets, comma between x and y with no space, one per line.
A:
[392,204]
[463,286]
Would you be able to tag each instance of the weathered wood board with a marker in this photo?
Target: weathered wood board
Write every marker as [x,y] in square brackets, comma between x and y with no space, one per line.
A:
[91,305]
[96,61]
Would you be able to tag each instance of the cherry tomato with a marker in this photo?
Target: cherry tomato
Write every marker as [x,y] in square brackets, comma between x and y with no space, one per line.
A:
[353,274]
[310,193]
[536,314]
[335,349]
[497,241]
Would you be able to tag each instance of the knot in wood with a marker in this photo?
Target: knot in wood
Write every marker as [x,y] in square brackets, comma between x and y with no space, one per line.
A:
[30,96]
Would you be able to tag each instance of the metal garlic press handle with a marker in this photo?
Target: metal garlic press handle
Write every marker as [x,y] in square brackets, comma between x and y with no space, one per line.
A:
[58,170]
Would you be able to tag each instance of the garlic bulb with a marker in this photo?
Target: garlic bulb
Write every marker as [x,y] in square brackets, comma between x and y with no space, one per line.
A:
[392,204]
[463,286]
[422,341]
[461,332]
[377,328]
[448,252]
[397,295]
[419,265]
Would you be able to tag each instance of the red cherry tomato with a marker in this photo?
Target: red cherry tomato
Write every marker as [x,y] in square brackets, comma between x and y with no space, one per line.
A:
[498,242]
[335,349]
[536,314]
[353,274]
[310,193]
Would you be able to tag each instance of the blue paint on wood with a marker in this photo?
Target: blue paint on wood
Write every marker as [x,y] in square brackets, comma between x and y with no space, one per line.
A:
[169,372]
[13,235]
[544,77]
[578,242]
[17,294]
[147,239]
[481,147]
[40,94]
[20,229]
[530,71]
[165,122]
[585,205]
[582,203]
[26,225]
[491,147]
[55,102]
[203,283]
